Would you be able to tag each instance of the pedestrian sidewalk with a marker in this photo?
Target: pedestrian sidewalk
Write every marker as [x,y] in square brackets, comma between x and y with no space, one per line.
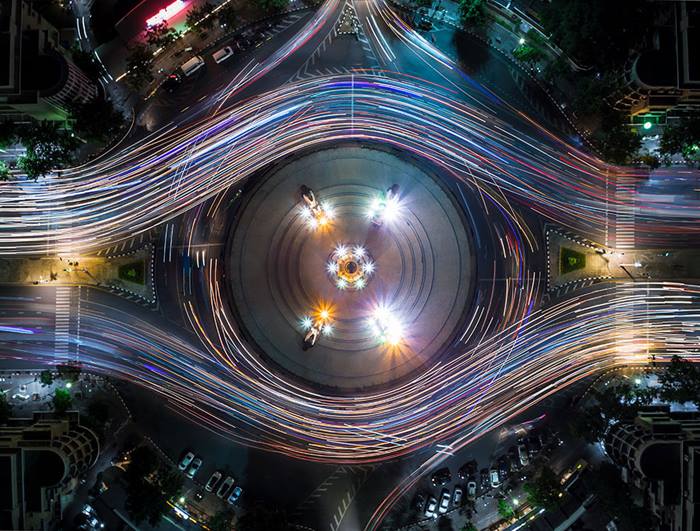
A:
[97,271]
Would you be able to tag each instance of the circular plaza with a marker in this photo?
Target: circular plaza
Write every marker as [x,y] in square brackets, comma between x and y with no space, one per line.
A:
[350,268]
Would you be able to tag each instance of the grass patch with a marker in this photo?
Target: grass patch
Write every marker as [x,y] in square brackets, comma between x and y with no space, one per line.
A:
[133,272]
[570,260]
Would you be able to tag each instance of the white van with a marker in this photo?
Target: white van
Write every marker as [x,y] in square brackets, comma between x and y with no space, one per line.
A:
[222,55]
[191,66]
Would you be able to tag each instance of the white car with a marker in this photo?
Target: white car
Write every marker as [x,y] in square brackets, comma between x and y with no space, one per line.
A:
[522,455]
[471,490]
[194,467]
[494,478]
[185,462]
[213,480]
[444,501]
[223,488]
[457,496]
[430,507]
[221,55]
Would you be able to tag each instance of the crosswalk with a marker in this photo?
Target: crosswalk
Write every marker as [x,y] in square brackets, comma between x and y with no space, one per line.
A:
[62,325]
[625,215]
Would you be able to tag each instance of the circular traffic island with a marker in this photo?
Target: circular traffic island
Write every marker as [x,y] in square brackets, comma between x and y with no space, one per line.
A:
[350,268]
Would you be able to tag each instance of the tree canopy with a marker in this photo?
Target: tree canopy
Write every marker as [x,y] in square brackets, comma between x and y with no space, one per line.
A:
[472,12]
[598,32]
[48,147]
[544,490]
[62,400]
[682,137]
[96,119]
[138,67]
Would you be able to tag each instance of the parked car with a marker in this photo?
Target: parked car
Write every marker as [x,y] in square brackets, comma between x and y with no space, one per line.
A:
[185,461]
[194,468]
[235,495]
[213,481]
[223,488]
[471,490]
[172,82]
[494,478]
[192,65]
[430,507]
[467,470]
[522,455]
[419,502]
[441,477]
[457,496]
[221,55]
[444,501]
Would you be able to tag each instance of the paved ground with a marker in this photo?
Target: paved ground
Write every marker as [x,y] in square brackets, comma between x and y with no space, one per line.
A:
[424,267]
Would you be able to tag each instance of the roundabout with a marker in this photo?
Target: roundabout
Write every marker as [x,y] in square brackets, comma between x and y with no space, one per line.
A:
[378,288]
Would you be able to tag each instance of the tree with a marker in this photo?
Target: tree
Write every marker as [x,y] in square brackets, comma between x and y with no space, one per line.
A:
[69,371]
[62,401]
[5,408]
[527,53]
[85,61]
[48,147]
[196,20]
[598,32]
[46,377]
[544,490]
[138,67]
[96,119]
[4,171]
[682,137]
[228,18]
[272,5]
[221,521]
[472,12]
[149,486]
[9,134]
[160,35]
[469,526]
[680,382]
[505,509]
[260,516]
[617,142]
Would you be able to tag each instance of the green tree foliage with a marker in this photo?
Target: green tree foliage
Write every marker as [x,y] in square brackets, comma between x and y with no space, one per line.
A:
[5,408]
[527,53]
[615,498]
[161,35]
[47,146]
[9,134]
[221,521]
[680,382]
[149,486]
[272,5]
[96,119]
[682,137]
[196,20]
[85,61]
[69,371]
[228,18]
[468,527]
[598,32]
[260,516]
[46,377]
[138,66]
[62,401]
[4,171]
[505,509]
[544,490]
[472,12]
[617,142]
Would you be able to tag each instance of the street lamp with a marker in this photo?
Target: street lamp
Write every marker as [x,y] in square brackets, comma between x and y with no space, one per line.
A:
[521,41]
[647,125]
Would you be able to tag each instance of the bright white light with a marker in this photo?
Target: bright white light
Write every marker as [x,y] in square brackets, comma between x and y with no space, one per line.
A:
[368,268]
[341,283]
[324,314]
[359,252]
[327,330]
[360,283]
[332,267]
[637,381]
[341,251]
[327,210]
[391,210]
[306,323]
[306,212]
[386,326]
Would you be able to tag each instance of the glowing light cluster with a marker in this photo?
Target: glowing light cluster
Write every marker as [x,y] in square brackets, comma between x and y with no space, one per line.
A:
[386,326]
[319,217]
[350,267]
